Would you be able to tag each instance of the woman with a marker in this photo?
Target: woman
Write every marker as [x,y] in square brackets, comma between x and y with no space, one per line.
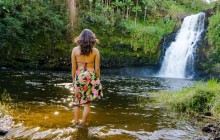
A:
[85,73]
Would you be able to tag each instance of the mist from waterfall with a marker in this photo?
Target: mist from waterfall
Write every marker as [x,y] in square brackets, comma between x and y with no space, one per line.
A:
[179,58]
[209,1]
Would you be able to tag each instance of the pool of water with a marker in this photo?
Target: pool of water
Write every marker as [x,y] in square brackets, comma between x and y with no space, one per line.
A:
[45,110]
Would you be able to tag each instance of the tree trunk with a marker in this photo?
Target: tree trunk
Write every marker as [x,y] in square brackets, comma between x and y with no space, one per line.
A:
[145,13]
[127,13]
[124,8]
[90,6]
[135,18]
[72,12]
[52,43]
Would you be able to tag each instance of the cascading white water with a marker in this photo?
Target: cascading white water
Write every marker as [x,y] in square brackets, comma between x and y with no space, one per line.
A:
[209,1]
[179,57]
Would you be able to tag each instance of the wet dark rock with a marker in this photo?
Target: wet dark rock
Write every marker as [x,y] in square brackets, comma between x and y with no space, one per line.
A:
[208,114]
[206,129]
[181,17]
[3,68]
[2,133]
[165,43]
[213,130]
[202,62]
[209,125]
[200,138]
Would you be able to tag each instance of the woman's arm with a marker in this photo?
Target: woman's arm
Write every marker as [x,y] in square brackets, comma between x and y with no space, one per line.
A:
[97,63]
[73,59]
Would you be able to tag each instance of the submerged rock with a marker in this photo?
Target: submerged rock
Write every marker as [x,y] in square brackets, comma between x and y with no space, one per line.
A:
[42,135]
[208,114]
[14,132]
[28,133]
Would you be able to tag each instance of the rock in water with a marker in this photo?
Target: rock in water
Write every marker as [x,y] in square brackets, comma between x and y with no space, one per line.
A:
[3,68]
[6,123]
[208,114]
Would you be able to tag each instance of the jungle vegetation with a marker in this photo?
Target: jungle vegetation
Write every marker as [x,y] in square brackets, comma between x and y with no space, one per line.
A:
[37,34]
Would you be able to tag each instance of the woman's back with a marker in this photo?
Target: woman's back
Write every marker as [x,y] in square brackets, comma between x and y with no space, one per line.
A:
[90,62]
[81,60]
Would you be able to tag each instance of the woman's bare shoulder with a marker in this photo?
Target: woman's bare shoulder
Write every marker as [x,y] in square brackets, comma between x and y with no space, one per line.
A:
[96,50]
[75,49]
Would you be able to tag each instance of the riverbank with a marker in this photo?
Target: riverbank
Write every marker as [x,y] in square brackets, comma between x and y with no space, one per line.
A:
[6,121]
[199,104]
[62,60]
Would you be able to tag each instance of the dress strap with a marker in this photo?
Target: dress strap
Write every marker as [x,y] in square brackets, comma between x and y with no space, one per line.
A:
[85,64]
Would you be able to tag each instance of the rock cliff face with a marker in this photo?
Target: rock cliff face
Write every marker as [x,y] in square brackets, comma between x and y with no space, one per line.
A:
[203,46]
[165,43]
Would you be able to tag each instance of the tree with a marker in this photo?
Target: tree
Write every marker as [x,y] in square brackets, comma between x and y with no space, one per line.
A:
[136,9]
[128,3]
[90,5]
[117,4]
[145,4]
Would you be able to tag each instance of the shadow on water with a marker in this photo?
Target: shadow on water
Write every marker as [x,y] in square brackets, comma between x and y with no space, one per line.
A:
[82,133]
[126,112]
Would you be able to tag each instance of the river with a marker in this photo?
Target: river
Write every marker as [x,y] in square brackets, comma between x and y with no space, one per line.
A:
[45,111]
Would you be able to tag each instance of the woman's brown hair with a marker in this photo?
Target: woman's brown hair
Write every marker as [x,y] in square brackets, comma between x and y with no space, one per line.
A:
[86,40]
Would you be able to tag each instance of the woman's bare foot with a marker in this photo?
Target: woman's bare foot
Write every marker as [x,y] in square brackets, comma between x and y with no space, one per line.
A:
[74,123]
[84,124]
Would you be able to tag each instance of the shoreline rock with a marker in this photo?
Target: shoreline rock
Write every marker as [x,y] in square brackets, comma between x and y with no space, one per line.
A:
[6,123]
[212,129]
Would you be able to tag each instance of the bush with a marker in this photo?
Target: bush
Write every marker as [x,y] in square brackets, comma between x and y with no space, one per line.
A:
[200,98]
[5,103]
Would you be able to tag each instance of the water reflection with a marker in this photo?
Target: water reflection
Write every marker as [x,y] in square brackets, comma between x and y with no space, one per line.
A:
[126,112]
[82,133]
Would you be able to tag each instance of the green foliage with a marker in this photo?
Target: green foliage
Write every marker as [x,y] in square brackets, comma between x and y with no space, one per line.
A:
[147,37]
[29,30]
[195,5]
[5,101]
[36,32]
[213,38]
[116,24]
[199,98]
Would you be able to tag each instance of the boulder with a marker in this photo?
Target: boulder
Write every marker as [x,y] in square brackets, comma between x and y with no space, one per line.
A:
[6,123]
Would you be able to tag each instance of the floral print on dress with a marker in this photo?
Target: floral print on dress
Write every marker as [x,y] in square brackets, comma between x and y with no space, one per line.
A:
[87,86]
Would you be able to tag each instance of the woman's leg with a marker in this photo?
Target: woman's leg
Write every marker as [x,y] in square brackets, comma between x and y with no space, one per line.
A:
[76,114]
[86,113]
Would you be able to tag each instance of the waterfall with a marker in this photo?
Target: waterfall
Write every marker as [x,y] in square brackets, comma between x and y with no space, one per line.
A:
[178,61]
[209,1]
